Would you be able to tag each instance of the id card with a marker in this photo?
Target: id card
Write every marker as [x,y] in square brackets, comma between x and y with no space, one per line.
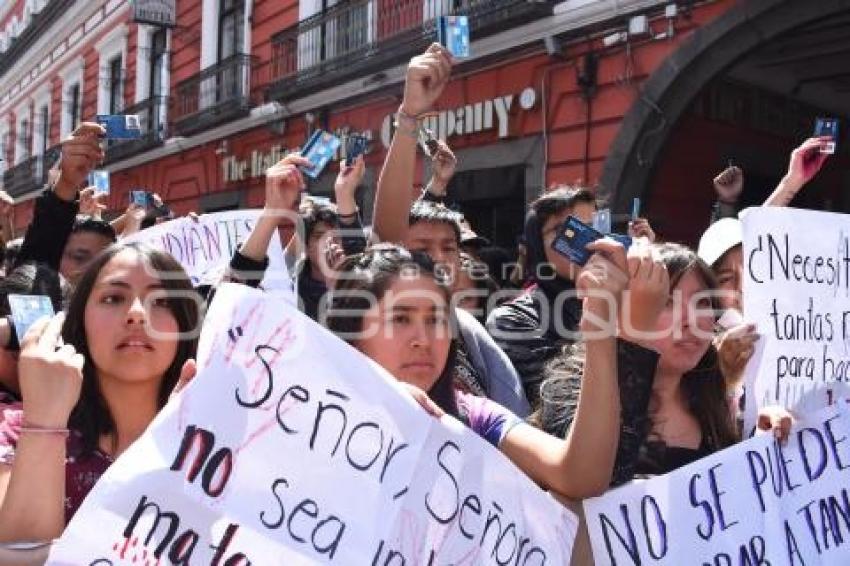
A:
[354,148]
[453,34]
[120,126]
[319,150]
[572,240]
[624,239]
[635,208]
[428,142]
[26,309]
[99,179]
[602,220]
[139,198]
[827,127]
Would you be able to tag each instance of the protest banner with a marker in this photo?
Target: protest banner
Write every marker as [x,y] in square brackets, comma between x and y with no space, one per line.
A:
[204,247]
[758,503]
[797,292]
[290,447]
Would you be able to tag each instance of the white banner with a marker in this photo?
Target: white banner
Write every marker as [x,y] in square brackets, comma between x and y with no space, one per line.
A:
[290,447]
[205,247]
[797,291]
[758,503]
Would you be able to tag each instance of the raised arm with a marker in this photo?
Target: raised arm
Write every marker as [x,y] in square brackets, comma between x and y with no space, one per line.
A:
[284,184]
[33,502]
[582,464]
[56,209]
[427,75]
[805,163]
[348,215]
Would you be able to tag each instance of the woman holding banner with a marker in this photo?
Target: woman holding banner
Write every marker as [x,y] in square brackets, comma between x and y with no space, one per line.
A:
[91,383]
[393,306]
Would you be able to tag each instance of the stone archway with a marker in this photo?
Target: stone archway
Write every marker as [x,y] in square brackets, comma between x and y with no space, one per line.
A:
[670,89]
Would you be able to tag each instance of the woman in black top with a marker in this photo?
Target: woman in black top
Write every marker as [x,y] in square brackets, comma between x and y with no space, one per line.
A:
[688,415]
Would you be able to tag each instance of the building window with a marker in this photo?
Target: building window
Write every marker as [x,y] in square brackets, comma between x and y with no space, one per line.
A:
[72,98]
[158,61]
[231,28]
[23,132]
[43,125]
[74,106]
[22,150]
[112,53]
[116,83]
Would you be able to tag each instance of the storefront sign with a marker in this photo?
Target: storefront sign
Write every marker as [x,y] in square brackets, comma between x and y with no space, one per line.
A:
[235,170]
[155,12]
[471,118]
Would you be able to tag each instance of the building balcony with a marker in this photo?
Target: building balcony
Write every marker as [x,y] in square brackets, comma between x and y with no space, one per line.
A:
[153,118]
[362,37]
[216,95]
[31,174]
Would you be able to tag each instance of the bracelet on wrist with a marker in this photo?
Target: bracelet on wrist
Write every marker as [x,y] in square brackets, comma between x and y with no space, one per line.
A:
[401,115]
[351,214]
[44,430]
[406,124]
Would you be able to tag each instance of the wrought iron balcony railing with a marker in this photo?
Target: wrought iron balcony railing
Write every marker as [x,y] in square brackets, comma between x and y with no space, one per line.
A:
[153,119]
[363,36]
[31,174]
[214,96]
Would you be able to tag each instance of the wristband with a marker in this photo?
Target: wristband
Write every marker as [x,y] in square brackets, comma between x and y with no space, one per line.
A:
[406,124]
[45,430]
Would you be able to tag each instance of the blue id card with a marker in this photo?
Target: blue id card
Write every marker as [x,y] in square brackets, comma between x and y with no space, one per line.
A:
[140,198]
[624,239]
[26,309]
[453,34]
[574,237]
[319,150]
[99,179]
[572,240]
[354,148]
[635,208]
[827,127]
[602,220]
[120,126]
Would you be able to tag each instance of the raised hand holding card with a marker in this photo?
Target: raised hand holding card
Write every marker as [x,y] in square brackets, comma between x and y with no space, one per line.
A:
[26,309]
[319,150]
[827,127]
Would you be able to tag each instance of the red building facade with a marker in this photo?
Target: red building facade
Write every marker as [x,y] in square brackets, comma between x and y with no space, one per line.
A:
[553,93]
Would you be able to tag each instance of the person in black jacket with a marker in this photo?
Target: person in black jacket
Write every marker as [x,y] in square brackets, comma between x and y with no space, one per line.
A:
[55,216]
[534,327]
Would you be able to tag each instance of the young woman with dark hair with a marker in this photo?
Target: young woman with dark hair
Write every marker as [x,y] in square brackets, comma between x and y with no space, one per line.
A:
[394,307]
[91,383]
[687,416]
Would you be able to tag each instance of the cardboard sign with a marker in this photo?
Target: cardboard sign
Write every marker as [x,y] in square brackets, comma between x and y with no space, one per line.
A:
[756,503]
[205,247]
[797,292]
[291,447]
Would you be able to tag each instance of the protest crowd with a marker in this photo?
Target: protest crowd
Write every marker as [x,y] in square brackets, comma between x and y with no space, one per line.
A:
[586,373]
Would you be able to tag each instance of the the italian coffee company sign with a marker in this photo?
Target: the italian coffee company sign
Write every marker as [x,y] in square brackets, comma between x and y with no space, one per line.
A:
[483,116]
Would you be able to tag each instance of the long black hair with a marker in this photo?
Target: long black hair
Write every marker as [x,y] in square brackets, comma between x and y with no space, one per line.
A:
[91,416]
[365,278]
[550,204]
[703,387]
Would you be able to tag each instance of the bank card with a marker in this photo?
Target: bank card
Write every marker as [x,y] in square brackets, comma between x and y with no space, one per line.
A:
[26,309]
[319,150]
[453,34]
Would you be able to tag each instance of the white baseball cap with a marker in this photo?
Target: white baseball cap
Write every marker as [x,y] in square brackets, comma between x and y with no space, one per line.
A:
[720,237]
